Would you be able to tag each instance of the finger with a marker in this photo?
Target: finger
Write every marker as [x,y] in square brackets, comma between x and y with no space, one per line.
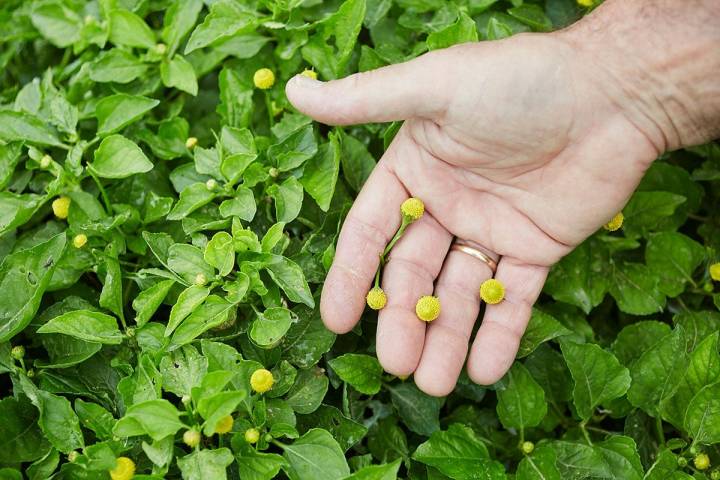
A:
[414,263]
[371,222]
[503,325]
[395,92]
[447,338]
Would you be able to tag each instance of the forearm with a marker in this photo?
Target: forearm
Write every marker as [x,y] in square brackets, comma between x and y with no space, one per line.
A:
[660,61]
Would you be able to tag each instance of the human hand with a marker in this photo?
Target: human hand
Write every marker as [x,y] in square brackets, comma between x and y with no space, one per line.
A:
[524,146]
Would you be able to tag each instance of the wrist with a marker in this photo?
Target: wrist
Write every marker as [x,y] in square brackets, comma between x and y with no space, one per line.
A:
[658,61]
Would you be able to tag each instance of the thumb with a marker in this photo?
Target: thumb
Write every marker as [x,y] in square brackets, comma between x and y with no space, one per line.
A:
[396,92]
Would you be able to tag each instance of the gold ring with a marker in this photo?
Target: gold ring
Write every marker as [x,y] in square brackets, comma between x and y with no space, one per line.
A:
[462,246]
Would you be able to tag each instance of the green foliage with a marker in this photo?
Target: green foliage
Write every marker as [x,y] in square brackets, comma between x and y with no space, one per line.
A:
[211,211]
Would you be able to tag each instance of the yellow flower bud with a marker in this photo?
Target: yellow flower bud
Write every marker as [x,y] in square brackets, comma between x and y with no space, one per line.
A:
[264,78]
[309,74]
[702,461]
[211,184]
[261,380]
[715,271]
[615,223]
[492,291]
[60,207]
[73,455]
[252,435]
[124,469]
[273,172]
[376,298]
[403,377]
[80,240]
[586,3]
[191,438]
[527,447]
[200,279]
[427,308]
[224,425]
[45,161]
[412,208]
[191,142]
[161,48]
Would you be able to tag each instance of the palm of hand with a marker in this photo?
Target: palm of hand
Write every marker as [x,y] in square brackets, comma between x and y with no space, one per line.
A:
[522,157]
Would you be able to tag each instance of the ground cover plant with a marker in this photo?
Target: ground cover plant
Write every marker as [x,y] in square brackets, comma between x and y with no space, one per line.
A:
[167,220]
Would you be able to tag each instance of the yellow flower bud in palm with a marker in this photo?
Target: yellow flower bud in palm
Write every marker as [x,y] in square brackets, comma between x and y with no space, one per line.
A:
[427,308]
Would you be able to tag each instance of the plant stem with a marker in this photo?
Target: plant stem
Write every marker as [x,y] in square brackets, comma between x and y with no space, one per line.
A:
[661,433]
[585,432]
[103,193]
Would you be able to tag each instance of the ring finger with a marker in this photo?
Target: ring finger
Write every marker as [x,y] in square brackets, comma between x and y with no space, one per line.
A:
[447,338]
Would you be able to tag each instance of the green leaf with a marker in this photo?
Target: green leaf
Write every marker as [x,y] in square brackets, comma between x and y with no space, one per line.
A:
[542,328]
[521,401]
[254,465]
[56,22]
[345,431]
[117,66]
[117,111]
[597,374]
[308,391]
[86,325]
[183,369]
[458,453]
[215,407]
[321,173]
[540,465]
[646,209]
[179,73]
[657,373]
[357,162]
[637,338]
[363,372]
[156,418]
[16,210]
[620,454]
[128,29]
[188,300]
[220,253]
[295,149]
[24,276]
[702,418]
[148,301]
[579,278]
[288,198]
[636,290]
[388,471]
[179,19]
[205,464]
[118,157]
[462,31]
[270,326]
[419,411]
[673,257]
[315,455]
[531,15]
[213,312]
[226,19]
[290,278]
[242,205]
[20,126]
[703,370]
[577,461]
[191,198]
[18,425]
[308,339]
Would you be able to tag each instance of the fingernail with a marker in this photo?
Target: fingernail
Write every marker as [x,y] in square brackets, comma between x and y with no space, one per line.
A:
[305,82]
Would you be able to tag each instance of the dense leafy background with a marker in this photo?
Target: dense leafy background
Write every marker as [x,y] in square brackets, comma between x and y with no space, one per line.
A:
[617,376]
